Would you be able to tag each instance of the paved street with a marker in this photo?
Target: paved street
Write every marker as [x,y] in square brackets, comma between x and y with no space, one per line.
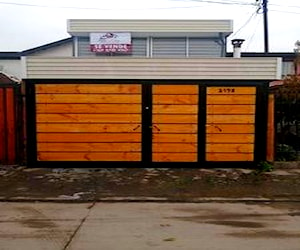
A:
[150,226]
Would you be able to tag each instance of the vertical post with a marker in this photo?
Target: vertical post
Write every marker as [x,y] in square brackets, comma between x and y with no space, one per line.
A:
[266,32]
[271,129]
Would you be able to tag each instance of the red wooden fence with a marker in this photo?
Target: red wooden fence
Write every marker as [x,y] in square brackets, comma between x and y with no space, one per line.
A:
[10,129]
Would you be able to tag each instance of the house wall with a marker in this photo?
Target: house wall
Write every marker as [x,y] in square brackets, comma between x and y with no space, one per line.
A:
[11,67]
[61,50]
[152,68]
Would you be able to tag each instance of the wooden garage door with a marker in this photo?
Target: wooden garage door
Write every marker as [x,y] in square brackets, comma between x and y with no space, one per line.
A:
[88,122]
[230,123]
[175,119]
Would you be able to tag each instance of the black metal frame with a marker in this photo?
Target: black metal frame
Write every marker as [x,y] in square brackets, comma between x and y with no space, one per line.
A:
[260,124]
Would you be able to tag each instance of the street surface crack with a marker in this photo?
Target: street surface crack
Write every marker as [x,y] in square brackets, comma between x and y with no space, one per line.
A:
[79,226]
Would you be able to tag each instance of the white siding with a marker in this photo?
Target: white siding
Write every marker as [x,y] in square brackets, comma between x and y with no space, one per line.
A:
[152,68]
[60,50]
[84,26]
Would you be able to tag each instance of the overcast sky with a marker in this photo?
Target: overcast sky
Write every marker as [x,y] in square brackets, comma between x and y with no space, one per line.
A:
[25,24]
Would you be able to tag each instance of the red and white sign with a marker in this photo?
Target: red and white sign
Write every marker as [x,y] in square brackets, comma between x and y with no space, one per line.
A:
[110,42]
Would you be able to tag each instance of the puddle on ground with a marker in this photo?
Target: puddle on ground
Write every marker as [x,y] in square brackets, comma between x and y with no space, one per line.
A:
[265,234]
[233,223]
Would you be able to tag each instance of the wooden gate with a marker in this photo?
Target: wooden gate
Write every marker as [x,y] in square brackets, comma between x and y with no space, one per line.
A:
[146,122]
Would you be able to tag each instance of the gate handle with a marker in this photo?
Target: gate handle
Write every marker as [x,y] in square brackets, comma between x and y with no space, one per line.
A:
[136,127]
[154,126]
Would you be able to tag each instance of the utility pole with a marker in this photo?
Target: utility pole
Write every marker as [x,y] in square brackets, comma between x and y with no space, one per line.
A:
[266,32]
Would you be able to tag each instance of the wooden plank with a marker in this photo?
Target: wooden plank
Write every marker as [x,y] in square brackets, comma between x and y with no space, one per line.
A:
[216,128]
[242,119]
[175,109]
[88,146]
[230,99]
[86,156]
[230,90]
[271,129]
[229,156]
[175,89]
[11,126]
[88,137]
[175,99]
[91,118]
[175,128]
[231,109]
[89,128]
[88,88]
[89,98]
[174,157]
[174,147]
[2,127]
[230,138]
[161,118]
[183,138]
[229,148]
[89,108]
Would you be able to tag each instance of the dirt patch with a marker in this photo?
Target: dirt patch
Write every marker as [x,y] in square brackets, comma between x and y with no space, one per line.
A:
[173,184]
[265,234]
[233,223]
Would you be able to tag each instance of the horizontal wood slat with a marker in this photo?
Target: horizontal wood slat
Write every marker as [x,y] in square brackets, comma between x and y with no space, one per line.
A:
[174,147]
[221,90]
[84,88]
[175,99]
[175,109]
[231,109]
[161,118]
[91,118]
[230,148]
[89,128]
[79,156]
[216,128]
[174,157]
[229,156]
[88,137]
[175,89]
[230,138]
[88,98]
[183,138]
[89,108]
[175,128]
[230,99]
[89,146]
[238,118]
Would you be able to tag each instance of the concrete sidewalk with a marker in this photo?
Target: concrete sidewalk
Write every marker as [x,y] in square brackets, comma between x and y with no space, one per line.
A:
[136,226]
[163,185]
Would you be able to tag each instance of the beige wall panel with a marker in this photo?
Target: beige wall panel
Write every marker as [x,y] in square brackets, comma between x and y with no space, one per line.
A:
[152,68]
